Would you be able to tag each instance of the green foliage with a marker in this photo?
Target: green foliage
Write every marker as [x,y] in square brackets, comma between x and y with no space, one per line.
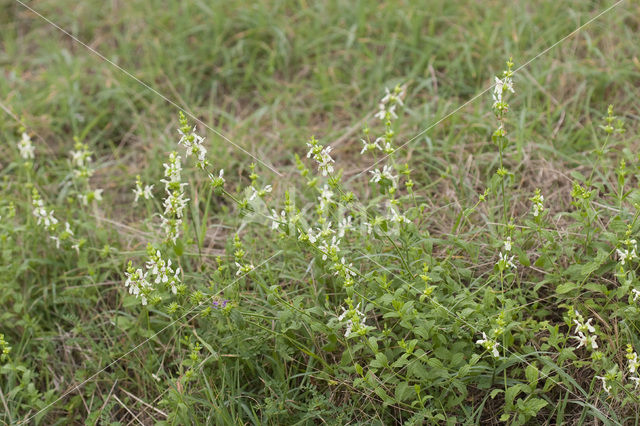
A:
[486,271]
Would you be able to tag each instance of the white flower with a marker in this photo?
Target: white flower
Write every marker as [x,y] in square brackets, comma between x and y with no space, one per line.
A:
[377,175]
[244,269]
[344,226]
[139,191]
[175,203]
[505,261]
[193,144]
[276,220]
[355,319]
[607,388]
[382,113]
[501,85]
[388,104]
[26,147]
[633,362]
[172,170]
[217,181]
[160,268]
[57,240]
[138,284]
[586,340]
[394,97]
[260,193]
[326,197]
[371,146]
[636,294]
[385,173]
[584,327]
[507,244]
[396,217]
[488,344]
[322,156]
[42,215]
[344,269]
[331,249]
[622,255]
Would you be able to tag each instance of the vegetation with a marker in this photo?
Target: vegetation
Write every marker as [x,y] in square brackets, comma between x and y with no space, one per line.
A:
[275,212]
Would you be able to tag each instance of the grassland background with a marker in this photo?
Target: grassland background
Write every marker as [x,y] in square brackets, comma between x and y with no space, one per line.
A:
[268,74]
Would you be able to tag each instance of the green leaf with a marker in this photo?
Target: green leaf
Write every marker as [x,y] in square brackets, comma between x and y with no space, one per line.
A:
[532,375]
[590,267]
[380,361]
[566,288]
[532,406]
[511,394]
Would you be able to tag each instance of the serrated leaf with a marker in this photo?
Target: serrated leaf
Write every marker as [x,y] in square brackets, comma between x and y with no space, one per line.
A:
[532,374]
[566,288]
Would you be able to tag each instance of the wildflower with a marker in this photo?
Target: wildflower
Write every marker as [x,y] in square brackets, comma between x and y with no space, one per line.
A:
[343,269]
[80,159]
[330,249]
[507,244]
[632,358]
[192,142]
[57,240]
[137,283]
[635,293]
[384,175]
[394,97]
[538,206]
[43,216]
[501,86]
[244,269]
[344,226]
[396,217]
[260,192]
[222,303]
[26,147]
[217,182]
[325,198]
[175,202]
[277,220]
[356,320]
[371,146]
[162,271]
[584,327]
[586,340]
[307,236]
[81,156]
[173,169]
[607,388]
[5,349]
[139,191]
[505,262]
[489,344]
[90,196]
[321,155]
[388,104]
[629,254]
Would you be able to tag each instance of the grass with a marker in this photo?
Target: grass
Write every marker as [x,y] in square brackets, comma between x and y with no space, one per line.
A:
[268,75]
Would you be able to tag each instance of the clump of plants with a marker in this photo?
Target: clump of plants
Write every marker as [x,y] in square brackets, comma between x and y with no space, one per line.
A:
[333,298]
